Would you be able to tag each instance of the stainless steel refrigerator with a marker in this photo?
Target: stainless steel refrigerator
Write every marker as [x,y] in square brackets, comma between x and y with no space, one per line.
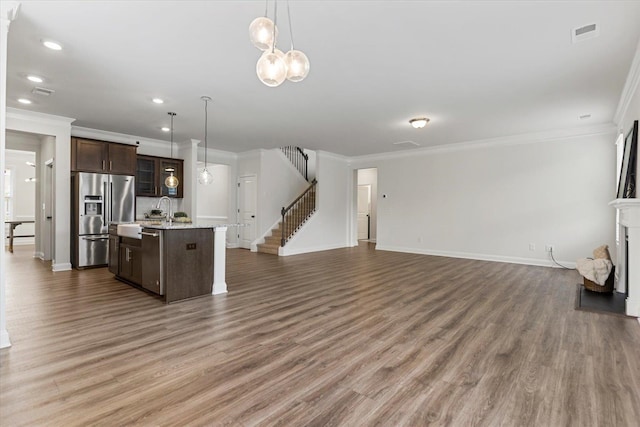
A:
[98,200]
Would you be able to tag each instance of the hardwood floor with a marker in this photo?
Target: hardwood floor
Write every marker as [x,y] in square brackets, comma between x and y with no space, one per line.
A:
[344,337]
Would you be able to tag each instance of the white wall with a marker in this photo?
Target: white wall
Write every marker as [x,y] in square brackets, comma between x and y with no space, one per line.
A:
[278,187]
[330,226]
[279,183]
[213,199]
[493,201]
[369,176]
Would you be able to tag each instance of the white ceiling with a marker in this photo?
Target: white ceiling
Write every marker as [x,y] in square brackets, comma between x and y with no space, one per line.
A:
[478,69]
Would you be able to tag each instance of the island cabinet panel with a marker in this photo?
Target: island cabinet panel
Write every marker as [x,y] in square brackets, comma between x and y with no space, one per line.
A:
[131,260]
[188,263]
[151,173]
[90,155]
[151,268]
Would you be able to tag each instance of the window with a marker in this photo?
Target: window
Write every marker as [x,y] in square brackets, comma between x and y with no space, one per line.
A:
[8,194]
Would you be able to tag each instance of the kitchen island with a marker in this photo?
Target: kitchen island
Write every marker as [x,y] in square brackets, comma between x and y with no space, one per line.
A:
[172,260]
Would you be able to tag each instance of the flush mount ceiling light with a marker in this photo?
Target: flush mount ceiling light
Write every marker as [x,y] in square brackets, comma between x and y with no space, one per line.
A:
[171,181]
[165,129]
[157,101]
[52,45]
[35,79]
[24,101]
[274,67]
[205,176]
[419,123]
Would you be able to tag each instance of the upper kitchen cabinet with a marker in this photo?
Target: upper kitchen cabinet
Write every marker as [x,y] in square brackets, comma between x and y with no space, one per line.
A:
[151,174]
[89,155]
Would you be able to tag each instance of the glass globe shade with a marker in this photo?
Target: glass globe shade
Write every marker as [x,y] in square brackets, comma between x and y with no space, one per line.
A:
[205,177]
[297,65]
[261,32]
[171,181]
[271,68]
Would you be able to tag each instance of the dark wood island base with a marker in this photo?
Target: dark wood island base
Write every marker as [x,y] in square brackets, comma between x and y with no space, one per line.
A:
[175,263]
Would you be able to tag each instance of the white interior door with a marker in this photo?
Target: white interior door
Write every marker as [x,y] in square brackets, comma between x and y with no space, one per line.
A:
[364,211]
[247,198]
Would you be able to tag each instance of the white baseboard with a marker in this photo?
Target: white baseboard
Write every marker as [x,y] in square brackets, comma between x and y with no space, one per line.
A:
[480,257]
[4,339]
[233,245]
[63,266]
[286,252]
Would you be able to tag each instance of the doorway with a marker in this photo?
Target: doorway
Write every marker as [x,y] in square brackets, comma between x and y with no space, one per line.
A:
[247,203]
[367,204]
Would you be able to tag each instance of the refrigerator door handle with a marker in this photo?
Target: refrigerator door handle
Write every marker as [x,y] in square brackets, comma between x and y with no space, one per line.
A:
[95,239]
[107,200]
[110,200]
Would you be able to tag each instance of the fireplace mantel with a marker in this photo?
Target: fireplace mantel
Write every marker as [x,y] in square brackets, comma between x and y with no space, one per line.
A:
[628,253]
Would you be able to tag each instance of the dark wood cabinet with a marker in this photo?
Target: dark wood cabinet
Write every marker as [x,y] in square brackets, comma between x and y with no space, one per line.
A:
[90,155]
[151,173]
[130,260]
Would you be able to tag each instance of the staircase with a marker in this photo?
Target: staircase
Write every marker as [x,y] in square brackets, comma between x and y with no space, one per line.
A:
[297,213]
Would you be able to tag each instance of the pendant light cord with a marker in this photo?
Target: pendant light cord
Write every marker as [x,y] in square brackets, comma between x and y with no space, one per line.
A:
[172,114]
[266,7]
[275,20]
[290,29]
[206,103]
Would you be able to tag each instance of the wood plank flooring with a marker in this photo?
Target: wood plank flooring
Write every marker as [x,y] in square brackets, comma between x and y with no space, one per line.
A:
[345,337]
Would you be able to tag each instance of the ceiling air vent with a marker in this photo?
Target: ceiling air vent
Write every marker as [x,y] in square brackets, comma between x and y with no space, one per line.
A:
[42,91]
[585,32]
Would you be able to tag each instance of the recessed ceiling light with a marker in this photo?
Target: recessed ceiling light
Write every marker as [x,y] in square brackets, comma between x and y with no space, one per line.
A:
[35,79]
[24,101]
[419,123]
[158,101]
[52,45]
[165,129]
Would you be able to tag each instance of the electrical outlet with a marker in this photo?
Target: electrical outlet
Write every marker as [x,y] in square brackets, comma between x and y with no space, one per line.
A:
[532,247]
[548,248]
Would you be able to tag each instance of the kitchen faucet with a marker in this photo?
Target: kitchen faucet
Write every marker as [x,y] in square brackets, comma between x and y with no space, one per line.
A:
[170,213]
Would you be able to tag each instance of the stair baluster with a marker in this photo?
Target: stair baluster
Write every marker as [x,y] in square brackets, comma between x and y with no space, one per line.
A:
[298,159]
[294,215]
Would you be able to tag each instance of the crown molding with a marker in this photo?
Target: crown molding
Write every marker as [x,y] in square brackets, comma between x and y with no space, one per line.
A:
[113,136]
[630,87]
[50,119]
[521,139]
[9,10]
[320,154]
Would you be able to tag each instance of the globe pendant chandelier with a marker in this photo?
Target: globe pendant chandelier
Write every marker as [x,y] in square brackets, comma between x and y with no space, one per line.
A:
[274,66]
[171,181]
[205,177]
